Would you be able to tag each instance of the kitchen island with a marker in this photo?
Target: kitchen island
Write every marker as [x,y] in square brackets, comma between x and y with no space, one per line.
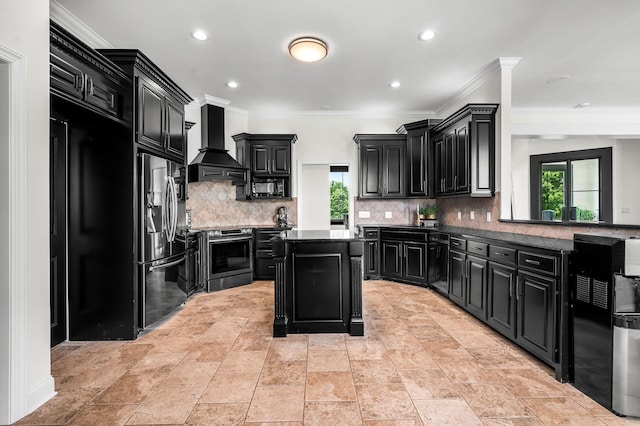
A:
[318,282]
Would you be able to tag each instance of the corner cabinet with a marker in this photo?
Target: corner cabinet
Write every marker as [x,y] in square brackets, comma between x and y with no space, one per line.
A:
[464,152]
[382,165]
[268,158]
[403,255]
[420,161]
[158,104]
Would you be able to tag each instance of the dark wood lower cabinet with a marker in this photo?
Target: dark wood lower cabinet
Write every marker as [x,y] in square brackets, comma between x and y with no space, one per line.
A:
[457,273]
[536,306]
[476,286]
[392,259]
[501,285]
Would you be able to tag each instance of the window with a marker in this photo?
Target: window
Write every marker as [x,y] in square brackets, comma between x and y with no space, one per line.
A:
[339,195]
[572,186]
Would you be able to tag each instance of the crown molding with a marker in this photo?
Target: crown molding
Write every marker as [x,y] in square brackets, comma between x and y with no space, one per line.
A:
[506,63]
[75,26]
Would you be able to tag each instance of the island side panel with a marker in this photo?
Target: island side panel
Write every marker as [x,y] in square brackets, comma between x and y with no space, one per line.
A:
[356,322]
[280,322]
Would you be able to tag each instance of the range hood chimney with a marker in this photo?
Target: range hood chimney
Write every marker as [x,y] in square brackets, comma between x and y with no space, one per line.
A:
[214,162]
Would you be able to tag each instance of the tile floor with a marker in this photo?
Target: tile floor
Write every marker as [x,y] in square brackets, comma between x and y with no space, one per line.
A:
[422,361]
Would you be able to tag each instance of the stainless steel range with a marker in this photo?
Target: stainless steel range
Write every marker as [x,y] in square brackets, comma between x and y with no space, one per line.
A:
[226,257]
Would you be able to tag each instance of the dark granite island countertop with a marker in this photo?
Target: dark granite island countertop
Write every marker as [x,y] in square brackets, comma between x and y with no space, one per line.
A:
[318,282]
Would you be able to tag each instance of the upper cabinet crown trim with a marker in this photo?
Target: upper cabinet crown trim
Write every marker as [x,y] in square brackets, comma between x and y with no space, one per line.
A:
[135,58]
[469,109]
[291,137]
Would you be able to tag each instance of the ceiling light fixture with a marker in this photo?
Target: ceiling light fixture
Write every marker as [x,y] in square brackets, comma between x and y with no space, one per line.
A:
[558,79]
[427,35]
[232,84]
[582,105]
[394,84]
[199,35]
[308,49]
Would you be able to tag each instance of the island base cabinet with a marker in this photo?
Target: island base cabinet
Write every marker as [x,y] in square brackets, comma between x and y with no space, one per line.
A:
[536,307]
[318,287]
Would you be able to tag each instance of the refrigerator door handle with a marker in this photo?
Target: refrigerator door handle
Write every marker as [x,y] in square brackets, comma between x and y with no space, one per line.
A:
[166,265]
[174,208]
[167,213]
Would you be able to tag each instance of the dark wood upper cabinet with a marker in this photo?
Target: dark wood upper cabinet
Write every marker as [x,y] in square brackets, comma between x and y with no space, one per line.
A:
[157,102]
[382,165]
[268,158]
[420,157]
[464,152]
[83,76]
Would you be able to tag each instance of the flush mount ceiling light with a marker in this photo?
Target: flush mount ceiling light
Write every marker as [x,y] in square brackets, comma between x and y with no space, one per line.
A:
[308,49]
[394,84]
[427,35]
[199,35]
[558,79]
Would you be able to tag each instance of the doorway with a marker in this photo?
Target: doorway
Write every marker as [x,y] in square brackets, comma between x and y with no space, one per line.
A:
[339,196]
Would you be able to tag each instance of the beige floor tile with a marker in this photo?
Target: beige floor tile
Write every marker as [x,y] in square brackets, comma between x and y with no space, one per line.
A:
[529,421]
[418,359]
[130,389]
[365,348]
[243,361]
[250,342]
[218,414]
[379,371]
[560,411]
[328,361]
[288,349]
[230,387]
[385,402]
[327,342]
[207,352]
[61,408]
[428,384]
[277,403]
[330,386]
[104,415]
[492,400]
[446,412]
[97,376]
[283,373]
[157,363]
[191,375]
[343,413]
[166,405]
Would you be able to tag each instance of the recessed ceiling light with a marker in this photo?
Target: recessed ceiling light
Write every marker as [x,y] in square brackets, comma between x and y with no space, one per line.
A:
[308,49]
[199,35]
[394,84]
[232,84]
[558,79]
[427,35]
[326,107]
[582,105]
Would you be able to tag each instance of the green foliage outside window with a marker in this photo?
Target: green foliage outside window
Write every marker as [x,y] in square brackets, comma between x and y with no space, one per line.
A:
[553,191]
[339,196]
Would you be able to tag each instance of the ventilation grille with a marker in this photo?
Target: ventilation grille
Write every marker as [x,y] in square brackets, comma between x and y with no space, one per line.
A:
[601,294]
[583,289]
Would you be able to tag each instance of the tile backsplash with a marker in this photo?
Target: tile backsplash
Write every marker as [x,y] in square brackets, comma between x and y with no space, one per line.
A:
[214,204]
[458,212]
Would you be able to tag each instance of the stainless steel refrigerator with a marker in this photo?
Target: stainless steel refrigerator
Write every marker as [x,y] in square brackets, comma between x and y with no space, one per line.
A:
[162,263]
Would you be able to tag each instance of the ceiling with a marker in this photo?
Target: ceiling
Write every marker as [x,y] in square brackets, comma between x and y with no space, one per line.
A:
[373,42]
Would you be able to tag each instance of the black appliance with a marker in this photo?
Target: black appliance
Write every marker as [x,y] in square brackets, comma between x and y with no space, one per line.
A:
[226,257]
[438,262]
[163,273]
[604,300]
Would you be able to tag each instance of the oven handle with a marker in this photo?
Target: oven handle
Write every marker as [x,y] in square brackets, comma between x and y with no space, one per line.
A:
[166,265]
[224,239]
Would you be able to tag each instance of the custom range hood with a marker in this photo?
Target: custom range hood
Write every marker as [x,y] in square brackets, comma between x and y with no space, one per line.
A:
[214,162]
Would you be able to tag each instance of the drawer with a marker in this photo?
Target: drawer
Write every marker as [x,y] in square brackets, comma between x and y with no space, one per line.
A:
[264,254]
[539,262]
[477,248]
[266,245]
[371,234]
[458,244]
[502,254]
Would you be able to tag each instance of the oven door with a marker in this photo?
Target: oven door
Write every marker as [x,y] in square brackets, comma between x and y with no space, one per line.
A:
[230,262]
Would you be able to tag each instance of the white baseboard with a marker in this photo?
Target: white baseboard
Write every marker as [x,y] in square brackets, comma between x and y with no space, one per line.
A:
[40,394]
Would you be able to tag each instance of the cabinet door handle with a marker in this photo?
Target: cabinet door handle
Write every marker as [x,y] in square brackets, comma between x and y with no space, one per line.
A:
[455,182]
[510,289]
[518,288]
[90,80]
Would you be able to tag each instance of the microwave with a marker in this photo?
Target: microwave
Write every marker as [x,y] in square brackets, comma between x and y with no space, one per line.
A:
[267,188]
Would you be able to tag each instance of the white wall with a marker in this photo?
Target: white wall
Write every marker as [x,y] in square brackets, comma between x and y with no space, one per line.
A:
[327,138]
[5,248]
[24,28]
[626,153]
[314,210]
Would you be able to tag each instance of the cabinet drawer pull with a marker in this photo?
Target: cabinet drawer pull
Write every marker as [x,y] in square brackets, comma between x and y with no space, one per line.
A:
[533,262]
[500,253]
[478,248]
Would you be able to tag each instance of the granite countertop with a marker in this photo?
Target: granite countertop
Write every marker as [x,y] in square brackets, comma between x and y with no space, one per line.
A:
[319,235]
[522,239]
